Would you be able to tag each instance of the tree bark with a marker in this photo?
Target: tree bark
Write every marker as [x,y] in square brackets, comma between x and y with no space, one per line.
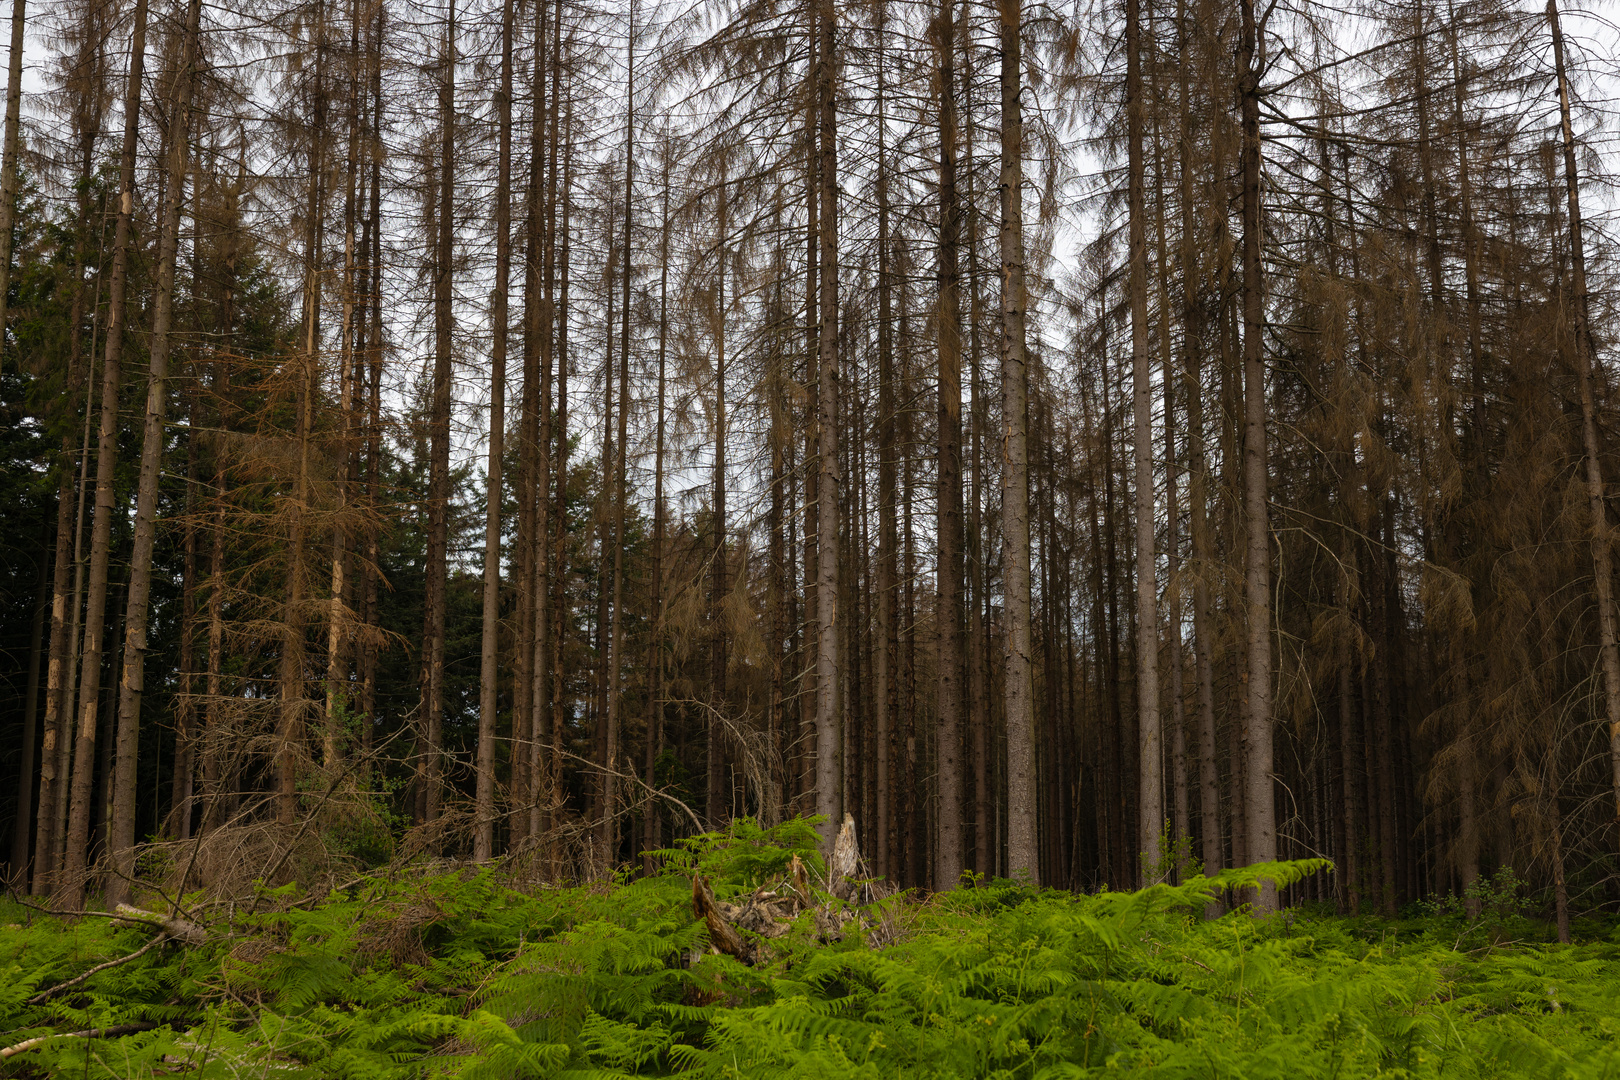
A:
[121,836]
[489,669]
[1259,802]
[438,493]
[655,707]
[1017,673]
[886,660]
[69,892]
[829,751]
[616,629]
[1150,788]
[949,703]
[9,172]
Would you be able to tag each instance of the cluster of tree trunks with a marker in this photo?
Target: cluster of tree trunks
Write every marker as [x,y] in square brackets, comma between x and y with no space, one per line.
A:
[751,536]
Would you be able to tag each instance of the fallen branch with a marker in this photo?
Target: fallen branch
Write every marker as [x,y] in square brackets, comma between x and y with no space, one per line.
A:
[182,930]
[135,914]
[89,1033]
[76,980]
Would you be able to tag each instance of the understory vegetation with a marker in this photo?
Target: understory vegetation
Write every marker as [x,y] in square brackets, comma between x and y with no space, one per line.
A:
[479,972]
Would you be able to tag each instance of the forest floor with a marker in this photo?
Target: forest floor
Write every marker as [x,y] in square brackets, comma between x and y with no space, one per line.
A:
[472,972]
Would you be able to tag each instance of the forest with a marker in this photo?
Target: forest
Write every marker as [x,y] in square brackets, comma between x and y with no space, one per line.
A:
[1094,447]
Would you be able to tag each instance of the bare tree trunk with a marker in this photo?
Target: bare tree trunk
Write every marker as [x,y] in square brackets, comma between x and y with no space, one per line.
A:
[979,719]
[1181,796]
[655,707]
[60,667]
[948,719]
[1018,690]
[438,500]
[489,669]
[62,674]
[291,676]
[543,319]
[337,613]
[985,767]
[716,805]
[185,705]
[829,752]
[373,361]
[1585,359]
[886,660]
[69,890]
[1259,802]
[1209,794]
[1468,826]
[56,668]
[121,836]
[9,172]
[562,124]
[1150,789]
[525,556]
[616,629]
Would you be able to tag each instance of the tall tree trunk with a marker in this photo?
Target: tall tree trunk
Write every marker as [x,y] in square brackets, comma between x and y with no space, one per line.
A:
[655,707]
[438,494]
[56,668]
[1476,449]
[542,777]
[610,757]
[949,703]
[829,752]
[9,172]
[1192,329]
[373,362]
[526,571]
[185,705]
[1181,796]
[121,836]
[562,131]
[489,670]
[1260,805]
[886,661]
[293,704]
[1150,788]
[61,667]
[339,617]
[985,771]
[715,808]
[69,890]
[1018,670]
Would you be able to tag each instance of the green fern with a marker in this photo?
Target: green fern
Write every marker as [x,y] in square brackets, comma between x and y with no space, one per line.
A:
[460,975]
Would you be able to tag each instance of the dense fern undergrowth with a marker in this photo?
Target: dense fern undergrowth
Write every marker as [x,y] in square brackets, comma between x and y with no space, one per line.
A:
[464,973]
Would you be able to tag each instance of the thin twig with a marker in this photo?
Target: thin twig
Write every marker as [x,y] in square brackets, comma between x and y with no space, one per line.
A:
[633,777]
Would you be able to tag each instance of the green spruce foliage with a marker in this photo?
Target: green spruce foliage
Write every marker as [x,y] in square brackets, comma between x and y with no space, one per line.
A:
[467,973]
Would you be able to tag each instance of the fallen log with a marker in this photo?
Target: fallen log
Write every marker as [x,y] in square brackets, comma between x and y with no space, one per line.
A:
[182,930]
